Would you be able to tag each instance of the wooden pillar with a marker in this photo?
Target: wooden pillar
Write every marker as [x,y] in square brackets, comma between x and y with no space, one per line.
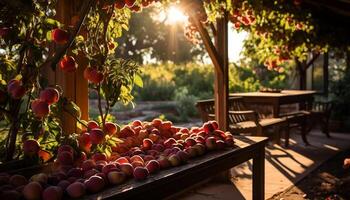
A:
[74,86]
[221,76]
[325,74]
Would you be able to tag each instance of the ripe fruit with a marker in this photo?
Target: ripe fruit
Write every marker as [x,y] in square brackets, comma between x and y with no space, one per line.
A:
[32,191]
[76,190]
[119,4]
[15,88]
[92,124]
[75,172]
[52,193]
[122,160]
[208,127]
[90,173]
[184,156]
[200,148]
[18,180]
[65,147]
[94,184]
[96,136]
[153,166]
[220,144]
[68,64]
[129,3]
[210,143]
[63,184]
[136,123]
[137,158]
[93,75]
[49,95]
[31,147]
[10,195]
[190,142]
[127,168]
[99,156]
[108,168]
[88,164]
[59,36]
[192,152]
[65,158]
[147,143]
[140,173]
[169,142]
[40,108]
[174,160]
[115,177]
[110,128]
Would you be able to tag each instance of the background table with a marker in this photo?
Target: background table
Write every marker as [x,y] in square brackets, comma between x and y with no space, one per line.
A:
[303,97]
[168,182]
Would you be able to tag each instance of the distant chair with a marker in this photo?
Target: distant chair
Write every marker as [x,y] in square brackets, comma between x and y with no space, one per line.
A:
[242,120]
[321,113]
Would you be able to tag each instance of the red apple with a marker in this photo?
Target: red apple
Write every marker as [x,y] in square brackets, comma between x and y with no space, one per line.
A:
[52,193]
[210,143]
[108,168]
[50,95]
[93,75]
[115,177]
[40,108]
[122,160]
[18,180]
[94,184]
[68,64]
[110,128]
[130,3]
[59,36]
[65,158]
[153,166]
[147,143]
[169,142]
[174,160]
[76,190]
[88,165]
[31,147]
[32,191]
[184,156]
[92,124]
[140,173]
[96,136]
[99,156]
[127,168]
[119,4]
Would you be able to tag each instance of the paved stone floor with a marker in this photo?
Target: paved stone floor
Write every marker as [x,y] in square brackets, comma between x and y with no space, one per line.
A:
[283,168]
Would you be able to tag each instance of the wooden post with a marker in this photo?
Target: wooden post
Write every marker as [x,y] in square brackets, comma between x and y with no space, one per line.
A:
[221,76]
[325,74]
[74,86]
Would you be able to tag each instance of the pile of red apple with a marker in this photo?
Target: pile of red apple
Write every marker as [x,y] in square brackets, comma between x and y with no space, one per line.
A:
[147,148]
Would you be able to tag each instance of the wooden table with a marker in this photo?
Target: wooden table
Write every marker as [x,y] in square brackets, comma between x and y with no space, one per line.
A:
[303,97]
[168,182]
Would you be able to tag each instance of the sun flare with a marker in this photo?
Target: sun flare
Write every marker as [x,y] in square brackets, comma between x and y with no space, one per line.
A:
[174,15]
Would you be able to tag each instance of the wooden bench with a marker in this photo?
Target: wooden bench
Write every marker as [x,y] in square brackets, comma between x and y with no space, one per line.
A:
[321,113]
[242,120]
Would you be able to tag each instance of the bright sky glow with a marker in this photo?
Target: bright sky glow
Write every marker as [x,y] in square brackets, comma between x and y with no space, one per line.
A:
[173,15]
[235,44]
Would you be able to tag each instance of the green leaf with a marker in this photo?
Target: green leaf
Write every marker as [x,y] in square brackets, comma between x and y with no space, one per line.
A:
[138,80]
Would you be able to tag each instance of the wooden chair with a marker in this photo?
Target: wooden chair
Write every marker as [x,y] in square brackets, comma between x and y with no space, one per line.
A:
[297,119]
[242,120]
[321,113]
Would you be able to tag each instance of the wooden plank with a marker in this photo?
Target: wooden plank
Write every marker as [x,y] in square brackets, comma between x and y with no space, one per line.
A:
[221,77]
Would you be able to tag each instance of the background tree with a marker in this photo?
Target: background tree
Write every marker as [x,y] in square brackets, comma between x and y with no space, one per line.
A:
[149,35]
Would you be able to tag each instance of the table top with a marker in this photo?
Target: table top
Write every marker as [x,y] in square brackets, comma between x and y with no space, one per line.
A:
[170,180]
[283,93]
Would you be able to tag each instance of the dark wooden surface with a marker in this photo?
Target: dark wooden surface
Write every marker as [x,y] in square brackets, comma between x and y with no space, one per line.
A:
[278,99]
[168,182]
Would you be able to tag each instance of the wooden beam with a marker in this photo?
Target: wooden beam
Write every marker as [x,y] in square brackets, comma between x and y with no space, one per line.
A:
[221,77]
[209,46]
[74,86]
